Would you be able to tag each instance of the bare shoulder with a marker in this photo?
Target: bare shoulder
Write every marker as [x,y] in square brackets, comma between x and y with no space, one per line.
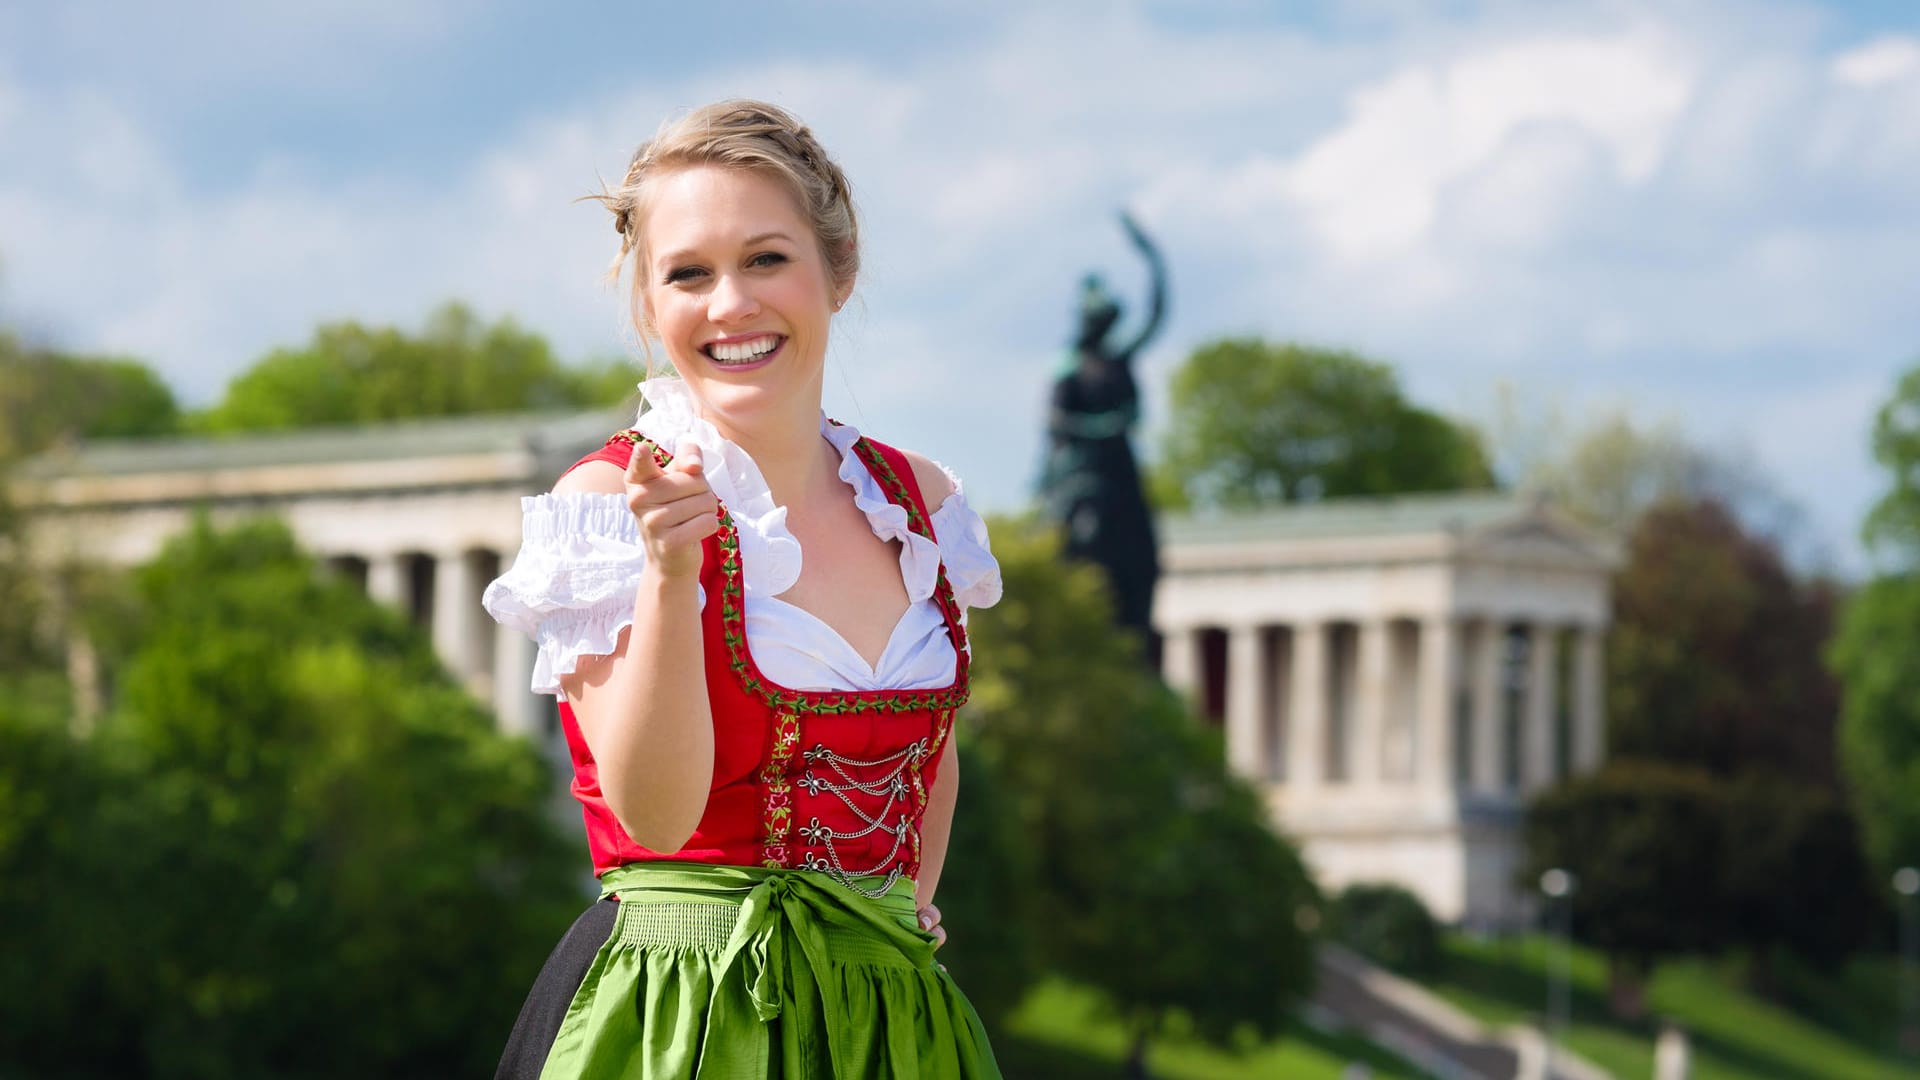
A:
[935,484]
[595,477]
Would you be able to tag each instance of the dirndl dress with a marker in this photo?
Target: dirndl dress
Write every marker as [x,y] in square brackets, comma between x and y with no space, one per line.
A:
[782,940]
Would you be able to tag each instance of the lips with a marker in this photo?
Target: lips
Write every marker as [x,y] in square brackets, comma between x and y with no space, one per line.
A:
[745,349]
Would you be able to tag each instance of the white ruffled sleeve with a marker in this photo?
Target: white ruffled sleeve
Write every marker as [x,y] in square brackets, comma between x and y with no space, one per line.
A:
[571,588]
[971,568]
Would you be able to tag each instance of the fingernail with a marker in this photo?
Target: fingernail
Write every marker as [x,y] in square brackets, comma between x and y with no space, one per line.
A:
[926,922]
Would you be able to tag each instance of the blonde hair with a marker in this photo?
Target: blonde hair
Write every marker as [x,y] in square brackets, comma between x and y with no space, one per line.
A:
[752,136]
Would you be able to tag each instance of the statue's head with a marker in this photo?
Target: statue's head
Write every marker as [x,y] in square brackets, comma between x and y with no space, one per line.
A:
[1098,312]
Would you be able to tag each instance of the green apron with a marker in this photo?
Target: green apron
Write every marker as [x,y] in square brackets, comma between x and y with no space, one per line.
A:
[723,972]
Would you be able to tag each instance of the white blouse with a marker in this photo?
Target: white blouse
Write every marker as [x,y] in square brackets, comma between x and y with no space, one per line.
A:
[571,588]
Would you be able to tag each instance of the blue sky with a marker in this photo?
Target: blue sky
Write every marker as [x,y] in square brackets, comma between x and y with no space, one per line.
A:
[1707,212]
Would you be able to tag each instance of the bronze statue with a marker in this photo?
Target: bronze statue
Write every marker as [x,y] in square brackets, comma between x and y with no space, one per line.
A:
[1091,485]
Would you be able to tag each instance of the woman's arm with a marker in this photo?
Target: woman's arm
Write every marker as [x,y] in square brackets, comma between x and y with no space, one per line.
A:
[643,708]
[936,825]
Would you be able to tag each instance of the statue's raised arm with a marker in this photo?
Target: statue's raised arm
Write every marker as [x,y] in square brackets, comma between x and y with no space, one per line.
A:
[1157,301]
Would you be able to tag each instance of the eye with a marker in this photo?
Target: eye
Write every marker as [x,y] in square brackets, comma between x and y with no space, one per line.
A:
[682,275]
[766,259]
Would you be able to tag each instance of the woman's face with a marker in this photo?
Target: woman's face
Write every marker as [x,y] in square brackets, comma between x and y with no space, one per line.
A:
[733,281]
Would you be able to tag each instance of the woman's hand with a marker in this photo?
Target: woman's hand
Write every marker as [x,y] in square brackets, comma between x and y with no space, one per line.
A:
[930,922]
[675,507]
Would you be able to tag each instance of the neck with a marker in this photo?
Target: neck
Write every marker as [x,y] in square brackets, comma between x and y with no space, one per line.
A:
[788,448]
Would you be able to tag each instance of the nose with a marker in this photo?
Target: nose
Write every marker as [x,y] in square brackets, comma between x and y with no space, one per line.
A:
[731,300]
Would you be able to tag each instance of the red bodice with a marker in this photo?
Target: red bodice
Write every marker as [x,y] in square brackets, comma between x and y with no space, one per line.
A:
[829,781]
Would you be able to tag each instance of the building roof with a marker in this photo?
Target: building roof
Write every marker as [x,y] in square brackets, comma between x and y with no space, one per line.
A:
[1456,512]
[385,441]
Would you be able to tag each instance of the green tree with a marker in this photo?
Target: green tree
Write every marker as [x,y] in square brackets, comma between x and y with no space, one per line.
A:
[986,893]
[1160,882]
[1714,665]
[1892,528]
[1795,875]
[1644,841]
[1880,718]
[319,858]
[1879,634]
[1388,924]
[1714,659]
[46,395]
[353,373]
[1255,424]
[55,859]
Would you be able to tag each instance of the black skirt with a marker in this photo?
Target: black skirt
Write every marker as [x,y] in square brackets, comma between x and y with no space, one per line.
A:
[546,1004]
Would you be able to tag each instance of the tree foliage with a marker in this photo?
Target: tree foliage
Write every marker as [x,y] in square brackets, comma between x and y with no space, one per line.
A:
[46,395]
[1879,636]
[1714,672]
[986,894]
[1892,528]
[1255,423]
[1159,881]
[350,373]
[295,823]
[1714,658]
[1644,841]
[1880,720]
[1671,860]
[1388,924]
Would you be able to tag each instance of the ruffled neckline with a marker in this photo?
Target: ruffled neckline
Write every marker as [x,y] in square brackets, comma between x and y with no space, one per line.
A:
[770,553]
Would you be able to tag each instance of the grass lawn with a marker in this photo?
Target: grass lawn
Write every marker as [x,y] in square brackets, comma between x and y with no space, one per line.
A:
[1061,1033]
[1844,1032]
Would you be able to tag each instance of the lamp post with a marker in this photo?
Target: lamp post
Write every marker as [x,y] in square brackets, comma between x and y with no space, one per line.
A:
[1906,882]
[1559,886]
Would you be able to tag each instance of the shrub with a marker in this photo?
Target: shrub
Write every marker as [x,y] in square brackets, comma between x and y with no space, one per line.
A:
[1388,925]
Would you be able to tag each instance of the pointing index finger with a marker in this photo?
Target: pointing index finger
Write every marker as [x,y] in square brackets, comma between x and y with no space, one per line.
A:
[687,458]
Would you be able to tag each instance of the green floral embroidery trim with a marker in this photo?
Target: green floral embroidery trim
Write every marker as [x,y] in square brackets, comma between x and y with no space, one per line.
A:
[777,809]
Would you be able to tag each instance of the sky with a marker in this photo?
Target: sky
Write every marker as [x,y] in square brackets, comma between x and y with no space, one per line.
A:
[1706,213]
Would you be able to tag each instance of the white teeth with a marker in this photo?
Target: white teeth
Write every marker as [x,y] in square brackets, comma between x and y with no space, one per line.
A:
[735,352]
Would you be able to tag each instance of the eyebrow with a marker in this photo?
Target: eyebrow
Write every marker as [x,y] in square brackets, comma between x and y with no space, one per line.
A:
[757,238]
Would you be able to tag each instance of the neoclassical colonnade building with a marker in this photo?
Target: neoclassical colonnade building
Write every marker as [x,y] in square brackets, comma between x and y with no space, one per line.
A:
[1398,674]
[422,514]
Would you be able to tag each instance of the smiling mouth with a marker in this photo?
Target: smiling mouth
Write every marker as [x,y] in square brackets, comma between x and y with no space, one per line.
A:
[727,353]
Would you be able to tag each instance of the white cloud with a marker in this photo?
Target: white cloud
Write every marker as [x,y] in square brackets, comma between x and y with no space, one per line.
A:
[1884,60]
[1375,185]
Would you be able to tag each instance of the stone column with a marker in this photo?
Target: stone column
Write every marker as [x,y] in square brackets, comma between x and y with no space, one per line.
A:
[387,579]
[1489,643]
[1307,708]
[1589,698]
[516,709]
[1370,701]
[1539,739]
[456,612]
[1180,661]
[1246,711]
[1433,748]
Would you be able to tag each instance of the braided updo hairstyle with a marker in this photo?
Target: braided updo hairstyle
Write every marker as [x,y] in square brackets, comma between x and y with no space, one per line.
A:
[741,134]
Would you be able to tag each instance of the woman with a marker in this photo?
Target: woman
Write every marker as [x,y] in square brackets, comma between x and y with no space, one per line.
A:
[754,618]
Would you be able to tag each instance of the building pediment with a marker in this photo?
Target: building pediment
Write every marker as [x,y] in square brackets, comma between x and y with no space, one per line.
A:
[1541,537]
